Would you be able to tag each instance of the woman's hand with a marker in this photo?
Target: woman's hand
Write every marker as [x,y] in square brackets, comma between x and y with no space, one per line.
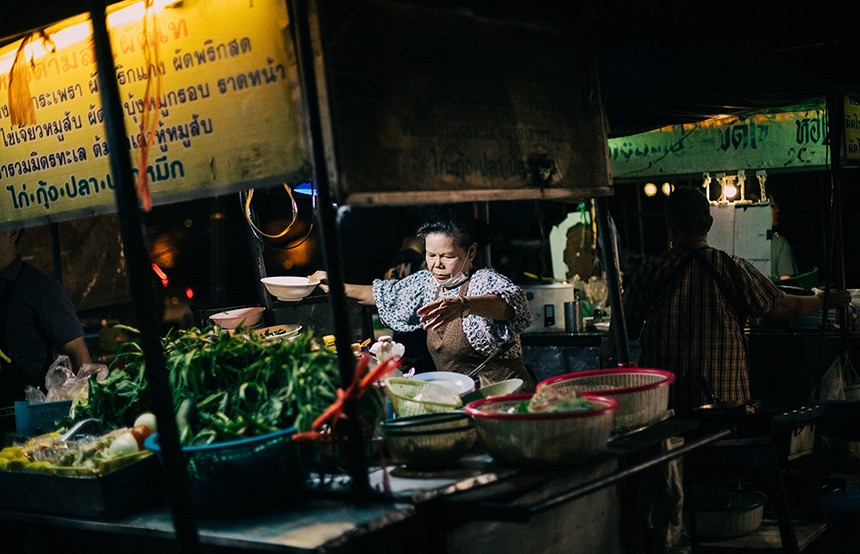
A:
[319,277]
[441,311]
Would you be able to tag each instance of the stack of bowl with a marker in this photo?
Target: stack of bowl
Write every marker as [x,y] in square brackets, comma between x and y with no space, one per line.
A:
[429,440]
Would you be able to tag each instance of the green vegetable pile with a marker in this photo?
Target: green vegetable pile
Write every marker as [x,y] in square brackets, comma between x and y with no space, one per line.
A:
[226,386]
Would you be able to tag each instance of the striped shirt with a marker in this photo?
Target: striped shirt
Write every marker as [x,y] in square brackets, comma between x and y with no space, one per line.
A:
[687,325]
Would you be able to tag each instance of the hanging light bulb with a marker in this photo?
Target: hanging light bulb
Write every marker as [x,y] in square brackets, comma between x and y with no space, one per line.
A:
[667,189]
[650,189]
[731,192]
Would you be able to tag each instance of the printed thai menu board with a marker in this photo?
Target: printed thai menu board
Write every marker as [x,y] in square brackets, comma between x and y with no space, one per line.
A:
[209,85]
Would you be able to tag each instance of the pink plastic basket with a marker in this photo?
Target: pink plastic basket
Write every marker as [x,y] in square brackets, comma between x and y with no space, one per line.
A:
[642,394]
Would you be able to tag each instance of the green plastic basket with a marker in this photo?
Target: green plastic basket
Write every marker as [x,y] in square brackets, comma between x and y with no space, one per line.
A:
[408,397]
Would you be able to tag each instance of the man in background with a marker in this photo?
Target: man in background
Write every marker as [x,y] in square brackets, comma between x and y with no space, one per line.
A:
[782,264]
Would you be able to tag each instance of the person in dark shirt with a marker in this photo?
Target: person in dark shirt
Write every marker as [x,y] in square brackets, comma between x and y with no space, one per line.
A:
[37,321]
[689,307]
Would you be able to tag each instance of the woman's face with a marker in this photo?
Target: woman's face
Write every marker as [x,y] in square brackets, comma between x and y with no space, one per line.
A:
[445,257]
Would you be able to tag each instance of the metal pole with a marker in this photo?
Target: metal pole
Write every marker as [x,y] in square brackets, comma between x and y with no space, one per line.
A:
[329,218]
[613,280]
[834,126]
[485,215]
[148,319]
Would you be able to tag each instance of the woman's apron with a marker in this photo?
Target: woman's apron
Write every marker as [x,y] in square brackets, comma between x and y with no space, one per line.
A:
[451,351]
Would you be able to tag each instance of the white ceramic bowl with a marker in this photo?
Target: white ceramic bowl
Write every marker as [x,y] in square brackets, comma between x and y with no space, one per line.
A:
[289,289]
[457,382]
[231,319]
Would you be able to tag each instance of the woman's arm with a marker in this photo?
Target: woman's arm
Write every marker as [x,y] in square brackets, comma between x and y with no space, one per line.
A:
[362,293]
[491,306]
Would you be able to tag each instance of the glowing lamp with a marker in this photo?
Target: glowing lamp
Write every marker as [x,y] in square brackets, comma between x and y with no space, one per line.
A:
[650,189]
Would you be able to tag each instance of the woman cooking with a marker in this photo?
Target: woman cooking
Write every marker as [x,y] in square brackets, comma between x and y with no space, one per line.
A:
[467,313]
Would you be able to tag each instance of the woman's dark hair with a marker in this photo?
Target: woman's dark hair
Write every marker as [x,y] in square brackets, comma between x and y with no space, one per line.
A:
[454,223]
[688,209]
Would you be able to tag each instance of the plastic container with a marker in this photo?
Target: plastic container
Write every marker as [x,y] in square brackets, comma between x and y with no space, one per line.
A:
[741,517]
[642,394]
[46,415]
[244,475]
[25,425]
[411,397]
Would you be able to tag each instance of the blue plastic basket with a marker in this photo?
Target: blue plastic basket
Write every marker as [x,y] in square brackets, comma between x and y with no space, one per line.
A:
[47,414]
[246,474]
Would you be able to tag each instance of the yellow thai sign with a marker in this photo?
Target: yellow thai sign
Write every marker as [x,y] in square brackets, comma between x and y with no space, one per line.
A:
[211,84]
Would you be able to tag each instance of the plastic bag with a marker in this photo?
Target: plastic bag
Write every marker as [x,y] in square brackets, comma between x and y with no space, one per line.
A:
[63,384]
[386,348]
[840,382]
[34,395]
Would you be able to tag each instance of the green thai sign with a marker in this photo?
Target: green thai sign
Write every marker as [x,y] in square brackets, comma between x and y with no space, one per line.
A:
[787,138]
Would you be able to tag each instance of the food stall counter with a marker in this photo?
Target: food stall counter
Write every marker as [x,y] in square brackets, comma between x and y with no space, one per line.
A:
[476,505]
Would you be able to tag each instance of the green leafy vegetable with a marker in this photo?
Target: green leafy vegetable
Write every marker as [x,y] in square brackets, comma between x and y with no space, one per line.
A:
[226,385]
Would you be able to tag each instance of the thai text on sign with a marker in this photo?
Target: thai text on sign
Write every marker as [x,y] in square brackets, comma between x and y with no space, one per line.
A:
[222,85]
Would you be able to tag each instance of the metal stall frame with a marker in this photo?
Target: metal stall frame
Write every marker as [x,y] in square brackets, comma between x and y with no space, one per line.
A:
[307,19]
[146,313]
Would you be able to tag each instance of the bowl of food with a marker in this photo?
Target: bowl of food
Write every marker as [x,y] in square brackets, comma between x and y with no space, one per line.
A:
[279,332]
[543,429]
[642,394]
[429,440]
[458,382]
[231,319]
[289,289]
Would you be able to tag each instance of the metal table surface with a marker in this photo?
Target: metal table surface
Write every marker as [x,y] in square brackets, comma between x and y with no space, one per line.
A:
[327,521]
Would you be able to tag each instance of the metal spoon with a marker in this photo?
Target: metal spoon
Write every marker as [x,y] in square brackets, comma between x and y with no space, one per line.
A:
[91,426]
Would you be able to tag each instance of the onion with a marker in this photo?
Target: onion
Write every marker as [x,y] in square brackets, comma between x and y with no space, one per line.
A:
[123,445]
[147,419]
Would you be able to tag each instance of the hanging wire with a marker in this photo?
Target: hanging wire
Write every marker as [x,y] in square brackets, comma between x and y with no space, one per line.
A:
[260,235]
